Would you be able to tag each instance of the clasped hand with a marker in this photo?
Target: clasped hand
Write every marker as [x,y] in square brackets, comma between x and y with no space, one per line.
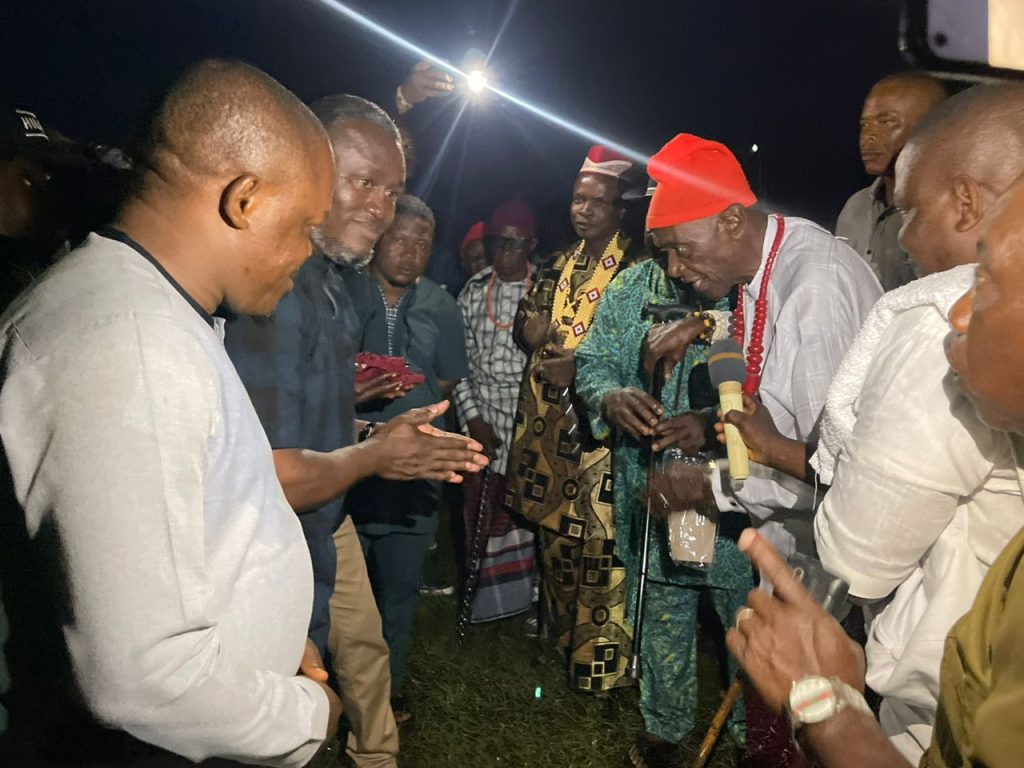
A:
[557,366]
[636,412]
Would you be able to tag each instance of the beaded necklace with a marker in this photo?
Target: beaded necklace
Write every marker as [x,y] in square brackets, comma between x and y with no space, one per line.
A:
[576,314]
[755,351]
[490,301]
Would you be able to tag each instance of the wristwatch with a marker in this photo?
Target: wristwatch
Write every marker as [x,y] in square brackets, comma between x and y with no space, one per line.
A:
[815,699]
[367,431]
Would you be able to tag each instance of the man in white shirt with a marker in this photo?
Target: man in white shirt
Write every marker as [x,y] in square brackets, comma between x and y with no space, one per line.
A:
[155,576]
[818,292]
[798,656]
[923,494]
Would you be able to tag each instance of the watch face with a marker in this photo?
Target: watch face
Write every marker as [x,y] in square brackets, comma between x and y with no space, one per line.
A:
[812,700]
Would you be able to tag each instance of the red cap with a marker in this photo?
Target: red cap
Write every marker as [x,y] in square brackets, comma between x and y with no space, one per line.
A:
[696,178]
[476,232]
[606,161]
[512,213]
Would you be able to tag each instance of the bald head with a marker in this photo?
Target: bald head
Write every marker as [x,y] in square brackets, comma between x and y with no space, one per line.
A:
[338,110]
[961,157]
[923,92]
[222,119]
[892,109]
[234,174]
[979,132]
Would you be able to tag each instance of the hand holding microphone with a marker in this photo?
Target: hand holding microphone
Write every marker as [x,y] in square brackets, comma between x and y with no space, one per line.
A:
[756,427]
[728,371]
[754,434]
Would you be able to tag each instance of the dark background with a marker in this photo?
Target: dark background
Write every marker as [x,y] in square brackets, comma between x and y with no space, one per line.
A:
[789,75]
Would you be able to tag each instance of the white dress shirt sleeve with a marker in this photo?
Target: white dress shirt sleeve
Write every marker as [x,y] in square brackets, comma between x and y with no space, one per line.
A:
[117,462]
[916,450]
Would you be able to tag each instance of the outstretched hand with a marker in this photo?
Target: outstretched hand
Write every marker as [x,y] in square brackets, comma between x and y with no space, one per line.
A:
[679,485]
[412,449]
[784,636]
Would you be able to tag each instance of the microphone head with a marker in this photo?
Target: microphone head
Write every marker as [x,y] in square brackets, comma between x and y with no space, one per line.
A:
[726,363]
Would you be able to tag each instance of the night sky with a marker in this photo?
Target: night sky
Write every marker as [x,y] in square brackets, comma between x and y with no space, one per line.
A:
[789,75]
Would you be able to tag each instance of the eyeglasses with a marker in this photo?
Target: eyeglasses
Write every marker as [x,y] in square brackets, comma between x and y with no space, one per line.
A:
[500,243]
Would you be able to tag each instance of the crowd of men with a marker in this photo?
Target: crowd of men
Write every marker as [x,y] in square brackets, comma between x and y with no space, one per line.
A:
[230,403]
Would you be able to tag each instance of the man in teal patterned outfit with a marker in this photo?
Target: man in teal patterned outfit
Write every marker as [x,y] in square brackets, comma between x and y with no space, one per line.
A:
[609,371]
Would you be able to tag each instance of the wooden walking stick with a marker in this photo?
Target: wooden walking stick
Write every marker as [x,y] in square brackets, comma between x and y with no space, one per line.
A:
[717,722]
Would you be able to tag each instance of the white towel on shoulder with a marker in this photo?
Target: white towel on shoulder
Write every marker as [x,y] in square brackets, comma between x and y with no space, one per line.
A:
[941,291]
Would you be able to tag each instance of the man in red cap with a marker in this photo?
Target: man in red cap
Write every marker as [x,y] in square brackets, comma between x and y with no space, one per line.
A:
[560,476]
[472,256]
[486,408]
[802,297]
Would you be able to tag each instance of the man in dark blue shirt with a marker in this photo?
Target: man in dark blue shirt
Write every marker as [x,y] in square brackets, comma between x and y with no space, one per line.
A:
[298,367]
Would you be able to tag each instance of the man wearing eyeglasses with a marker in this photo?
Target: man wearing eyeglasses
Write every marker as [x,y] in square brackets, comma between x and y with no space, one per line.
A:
[486,403]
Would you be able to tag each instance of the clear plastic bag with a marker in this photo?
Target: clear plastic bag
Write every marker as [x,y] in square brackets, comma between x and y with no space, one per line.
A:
[692,527]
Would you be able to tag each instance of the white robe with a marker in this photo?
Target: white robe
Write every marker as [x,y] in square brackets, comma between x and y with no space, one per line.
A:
[819,295]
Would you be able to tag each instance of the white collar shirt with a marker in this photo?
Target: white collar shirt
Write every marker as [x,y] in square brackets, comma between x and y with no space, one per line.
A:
[923,499]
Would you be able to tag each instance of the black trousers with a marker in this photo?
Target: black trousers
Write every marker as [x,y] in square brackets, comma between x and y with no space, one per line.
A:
[104,749]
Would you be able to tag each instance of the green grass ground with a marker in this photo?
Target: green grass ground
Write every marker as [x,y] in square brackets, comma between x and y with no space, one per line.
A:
[477,705]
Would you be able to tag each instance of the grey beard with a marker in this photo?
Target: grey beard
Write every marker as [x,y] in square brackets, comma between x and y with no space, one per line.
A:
[338,253]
